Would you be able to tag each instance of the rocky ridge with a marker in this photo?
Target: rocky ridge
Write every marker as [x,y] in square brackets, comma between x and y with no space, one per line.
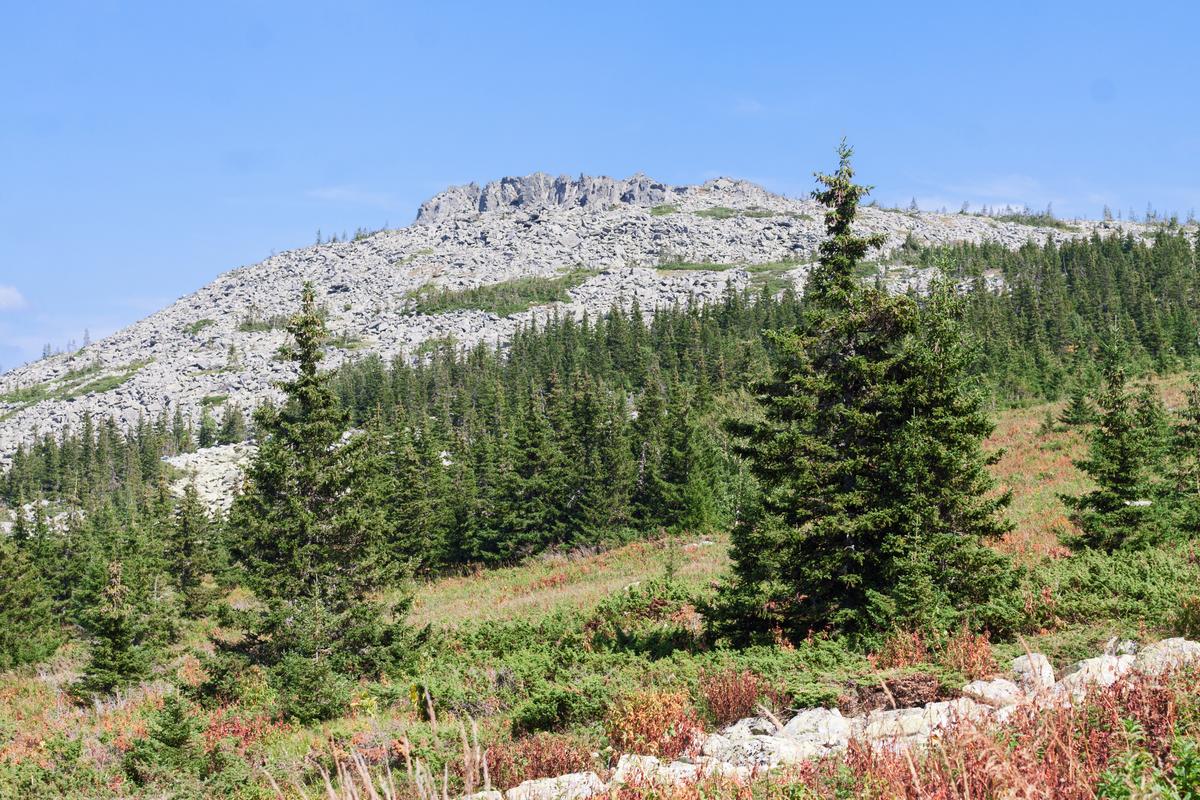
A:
[753,746]
[219,345]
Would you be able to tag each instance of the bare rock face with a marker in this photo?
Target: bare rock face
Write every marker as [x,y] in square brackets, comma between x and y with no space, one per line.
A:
[219,346]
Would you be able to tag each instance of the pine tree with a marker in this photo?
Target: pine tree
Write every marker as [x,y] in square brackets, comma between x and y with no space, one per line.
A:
[875,500]
[233,426]
[1078,410]
[208,429]
[1185,460]
[311,530]
[1125,508]
[29,629]
[120,654]
[190,550]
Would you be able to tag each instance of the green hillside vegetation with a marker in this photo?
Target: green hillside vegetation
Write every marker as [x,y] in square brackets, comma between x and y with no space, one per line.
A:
[616,528]
[504,298]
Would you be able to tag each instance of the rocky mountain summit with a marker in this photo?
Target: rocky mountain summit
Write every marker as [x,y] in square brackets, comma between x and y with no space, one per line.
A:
[633,239]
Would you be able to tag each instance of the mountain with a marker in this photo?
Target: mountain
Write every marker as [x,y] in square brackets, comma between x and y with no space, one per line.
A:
[633,239]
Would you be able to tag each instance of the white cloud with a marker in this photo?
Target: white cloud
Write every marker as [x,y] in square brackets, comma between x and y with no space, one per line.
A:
[11,299]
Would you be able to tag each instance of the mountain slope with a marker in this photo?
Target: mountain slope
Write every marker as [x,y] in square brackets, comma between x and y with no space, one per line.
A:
[219,344]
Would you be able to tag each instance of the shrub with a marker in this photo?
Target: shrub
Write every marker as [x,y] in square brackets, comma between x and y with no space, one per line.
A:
[730,695]
[970,653]
[309,690]
[543,755]
[1187,618]
[657,723]
[900,649]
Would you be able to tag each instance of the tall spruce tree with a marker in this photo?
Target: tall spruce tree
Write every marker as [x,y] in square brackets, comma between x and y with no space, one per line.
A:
[1127,507]
[121,650]
[312,533]
[1185,464]
[191,550]
[29,629]
[875,499]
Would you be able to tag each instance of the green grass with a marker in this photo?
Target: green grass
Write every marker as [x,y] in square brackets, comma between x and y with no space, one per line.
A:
[104,384]
[663,210]
[508,297]
[435,344]
[213,400]
[197,326]
[254,324]
[411,257]
[1041,220]
[553,584]
[27,395]
[771,277]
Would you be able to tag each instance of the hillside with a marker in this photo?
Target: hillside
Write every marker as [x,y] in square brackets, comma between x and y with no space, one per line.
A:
[586,244]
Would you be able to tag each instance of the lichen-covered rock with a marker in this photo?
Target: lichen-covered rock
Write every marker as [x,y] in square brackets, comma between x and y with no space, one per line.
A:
[997,693]
[1091,673]
[639,770]
[750,726]
[1034,672]
[575,786]
[824,726]
[909,726]
[1167,655]
[761,752]
[489,794]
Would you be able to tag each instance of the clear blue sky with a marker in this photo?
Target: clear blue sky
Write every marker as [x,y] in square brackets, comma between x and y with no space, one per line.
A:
[147,147]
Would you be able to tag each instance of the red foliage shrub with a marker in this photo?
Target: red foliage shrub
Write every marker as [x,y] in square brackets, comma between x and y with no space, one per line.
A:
[654,723]
[901,649]
[543,755]
[243,731]
[730,695]
[970,654]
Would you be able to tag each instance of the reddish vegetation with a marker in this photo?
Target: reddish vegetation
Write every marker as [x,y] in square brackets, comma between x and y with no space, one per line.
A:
[731,695]
[654,723]
[543,755]
[901,649]
[971,654]
[225,724]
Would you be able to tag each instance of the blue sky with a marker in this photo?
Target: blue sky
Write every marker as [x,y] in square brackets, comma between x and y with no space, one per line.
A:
[147,147]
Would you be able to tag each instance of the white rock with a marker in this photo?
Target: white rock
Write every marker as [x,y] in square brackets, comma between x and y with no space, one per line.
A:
[1169,654]
[1091,673]
[761,752]
[998,692]
[648,770]
[490,794]
[824,726]
[1034,672]
[576,786]
[750,726]
[916,725]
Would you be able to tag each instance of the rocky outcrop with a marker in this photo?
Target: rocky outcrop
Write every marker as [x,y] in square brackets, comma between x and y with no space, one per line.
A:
[220,345]
[755,745]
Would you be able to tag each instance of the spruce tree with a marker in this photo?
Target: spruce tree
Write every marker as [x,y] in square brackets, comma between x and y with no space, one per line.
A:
[1125,509]
[29,629]
[208,429]
[190,551]
[120,653]
[311,531]
[1078,410]
[875,499]
[1185,464]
